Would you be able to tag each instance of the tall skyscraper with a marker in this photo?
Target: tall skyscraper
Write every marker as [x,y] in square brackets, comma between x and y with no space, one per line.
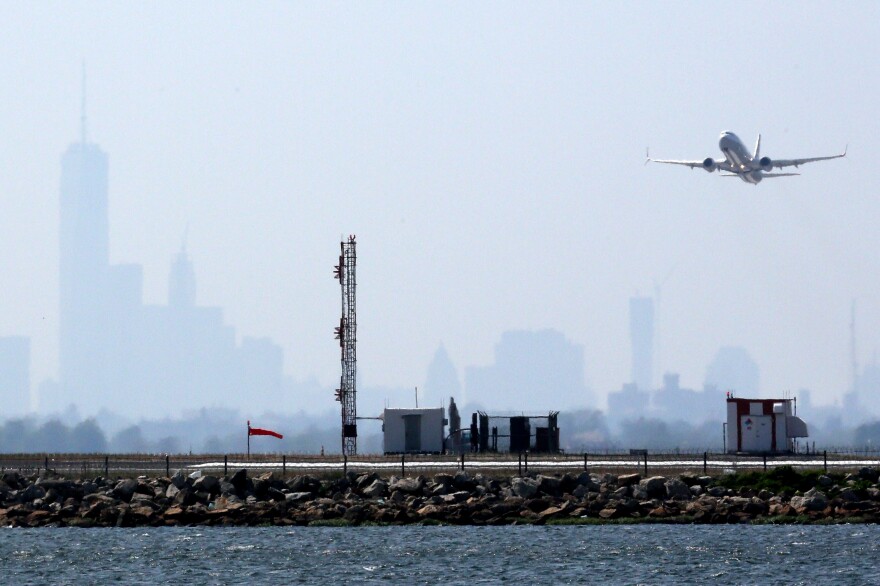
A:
[641,332]
[182,282]
[84,267]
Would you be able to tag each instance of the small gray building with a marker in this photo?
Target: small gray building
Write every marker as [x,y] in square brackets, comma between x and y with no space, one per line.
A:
[413,431]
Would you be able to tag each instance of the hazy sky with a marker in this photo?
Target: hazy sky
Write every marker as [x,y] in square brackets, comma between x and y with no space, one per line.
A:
[489,158]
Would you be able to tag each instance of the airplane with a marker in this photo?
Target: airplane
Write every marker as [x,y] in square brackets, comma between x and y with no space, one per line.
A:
[750,167]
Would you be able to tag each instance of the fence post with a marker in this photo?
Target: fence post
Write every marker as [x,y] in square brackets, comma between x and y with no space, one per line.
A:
[46,463]
[825,460]
[519,464]
[402,465]
[705,462]
[646,463]
[344,464]
[527,462]
[765,462]
[585,461]
[225,464]
[106,466]
[462,460]
[167,465]
[283,466]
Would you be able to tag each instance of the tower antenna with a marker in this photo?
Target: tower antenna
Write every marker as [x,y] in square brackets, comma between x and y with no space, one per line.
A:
[346,333]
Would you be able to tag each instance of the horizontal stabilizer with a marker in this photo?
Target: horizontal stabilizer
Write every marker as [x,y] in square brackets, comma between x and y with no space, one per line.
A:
[769,175]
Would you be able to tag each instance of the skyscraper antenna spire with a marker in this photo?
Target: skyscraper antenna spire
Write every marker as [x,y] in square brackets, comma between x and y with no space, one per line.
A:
[82,117]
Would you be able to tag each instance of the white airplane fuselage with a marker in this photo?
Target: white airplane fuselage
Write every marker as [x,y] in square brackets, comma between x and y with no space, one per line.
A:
[739,158]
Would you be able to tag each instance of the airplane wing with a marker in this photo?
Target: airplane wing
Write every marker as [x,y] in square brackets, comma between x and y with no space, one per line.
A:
[691,164]
[798,162]
[722,165]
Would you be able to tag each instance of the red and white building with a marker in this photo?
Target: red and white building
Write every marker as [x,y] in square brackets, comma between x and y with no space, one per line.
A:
[762,426]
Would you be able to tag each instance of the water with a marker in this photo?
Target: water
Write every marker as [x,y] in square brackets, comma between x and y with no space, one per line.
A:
[637,554]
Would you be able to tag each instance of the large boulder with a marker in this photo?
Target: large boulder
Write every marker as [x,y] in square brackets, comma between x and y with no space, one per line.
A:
[628,479]
[869,474]
[622,492]
[825,481]
[171,491]
[13,479]
[310,484]
[363,481]
[590,481]
[125,488]
[408,485]
[848,494]
[298,497]
[655,486]
[549,485]
[31,493]
[378,488]
[463,481]
[802,504]
[445,479]
[179,479]
[239,481]
[184,497]
[64,488]
[207,483]
[524,487]
[677,490]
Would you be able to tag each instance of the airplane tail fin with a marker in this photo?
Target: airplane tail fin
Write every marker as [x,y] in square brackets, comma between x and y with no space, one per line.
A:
[757,154]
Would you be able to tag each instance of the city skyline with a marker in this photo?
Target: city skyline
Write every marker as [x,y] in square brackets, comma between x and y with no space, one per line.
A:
[493,176]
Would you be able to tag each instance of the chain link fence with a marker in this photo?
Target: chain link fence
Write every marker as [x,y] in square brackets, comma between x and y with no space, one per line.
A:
[644,462]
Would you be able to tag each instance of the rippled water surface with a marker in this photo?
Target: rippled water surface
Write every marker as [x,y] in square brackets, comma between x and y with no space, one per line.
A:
[646,554]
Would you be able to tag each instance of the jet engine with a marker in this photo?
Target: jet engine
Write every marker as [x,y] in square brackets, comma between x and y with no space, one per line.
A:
[766,164]
[710,165]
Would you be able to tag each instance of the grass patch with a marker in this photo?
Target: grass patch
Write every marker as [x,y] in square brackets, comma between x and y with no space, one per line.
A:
[780,479]
[679,520]
[340,522]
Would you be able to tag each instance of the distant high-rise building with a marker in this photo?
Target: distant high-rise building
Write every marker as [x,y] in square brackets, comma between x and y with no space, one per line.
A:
[442,380]
[15,376]
[84,268]
[533,371]
[733,369]
[641,333]
[182,282]
[628,403]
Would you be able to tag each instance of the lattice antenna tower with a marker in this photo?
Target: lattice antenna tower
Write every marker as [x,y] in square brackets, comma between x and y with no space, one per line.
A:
[346,333]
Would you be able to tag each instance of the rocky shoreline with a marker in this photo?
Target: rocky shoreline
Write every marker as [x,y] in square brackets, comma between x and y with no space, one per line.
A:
[780,496]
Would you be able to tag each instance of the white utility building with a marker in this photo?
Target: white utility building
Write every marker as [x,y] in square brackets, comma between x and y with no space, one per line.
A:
[762,426]
[413,431]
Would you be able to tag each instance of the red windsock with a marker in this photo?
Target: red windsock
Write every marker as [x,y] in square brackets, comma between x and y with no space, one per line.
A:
[260,431]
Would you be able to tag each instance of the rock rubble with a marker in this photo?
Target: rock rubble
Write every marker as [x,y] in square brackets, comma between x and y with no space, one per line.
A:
[461,499]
